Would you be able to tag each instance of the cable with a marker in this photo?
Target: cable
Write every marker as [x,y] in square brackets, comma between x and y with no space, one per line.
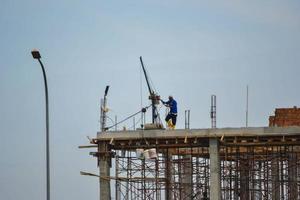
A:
[127,118]
[111,120]
[151,82]
[141,93]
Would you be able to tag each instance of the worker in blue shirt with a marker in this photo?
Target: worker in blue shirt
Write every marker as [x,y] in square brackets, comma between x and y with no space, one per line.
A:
[172,115]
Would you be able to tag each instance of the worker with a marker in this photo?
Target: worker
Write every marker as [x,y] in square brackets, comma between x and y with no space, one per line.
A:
[172,115]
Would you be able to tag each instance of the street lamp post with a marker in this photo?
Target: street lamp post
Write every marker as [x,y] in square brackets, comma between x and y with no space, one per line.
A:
[36,55]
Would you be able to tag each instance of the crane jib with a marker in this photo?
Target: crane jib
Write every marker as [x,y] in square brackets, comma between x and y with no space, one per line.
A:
[146,77]
[152,96]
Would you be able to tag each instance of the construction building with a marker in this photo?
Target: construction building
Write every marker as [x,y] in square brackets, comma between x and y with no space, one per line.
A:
[217,163]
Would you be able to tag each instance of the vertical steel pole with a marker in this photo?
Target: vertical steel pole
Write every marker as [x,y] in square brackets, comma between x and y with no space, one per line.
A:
[116,121]
[133,123]
[185,119]
[104,114]
[188,119]
[213,111]
[101,114]
[247,97]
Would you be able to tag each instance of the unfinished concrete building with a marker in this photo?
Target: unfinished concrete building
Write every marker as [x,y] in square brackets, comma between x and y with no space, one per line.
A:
[225,163]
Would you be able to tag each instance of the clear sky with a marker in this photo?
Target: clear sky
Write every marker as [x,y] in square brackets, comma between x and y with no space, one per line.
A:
[192,49]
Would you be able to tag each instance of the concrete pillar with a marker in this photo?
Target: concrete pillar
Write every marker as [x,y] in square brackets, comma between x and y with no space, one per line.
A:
[168,174]
[292,171]
[117,182]
[104,168]
[187,180]
[215,169]
[275,178]
[244,178]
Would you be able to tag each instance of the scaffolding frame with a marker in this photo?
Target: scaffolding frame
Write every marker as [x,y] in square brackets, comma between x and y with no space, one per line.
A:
[265,167]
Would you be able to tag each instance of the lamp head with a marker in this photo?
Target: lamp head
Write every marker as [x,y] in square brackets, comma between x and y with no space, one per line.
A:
[36,54]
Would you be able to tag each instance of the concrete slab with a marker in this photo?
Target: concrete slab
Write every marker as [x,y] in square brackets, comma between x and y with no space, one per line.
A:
[198,133]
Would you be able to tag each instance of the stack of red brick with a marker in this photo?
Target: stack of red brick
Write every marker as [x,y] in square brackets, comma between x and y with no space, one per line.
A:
[285,117]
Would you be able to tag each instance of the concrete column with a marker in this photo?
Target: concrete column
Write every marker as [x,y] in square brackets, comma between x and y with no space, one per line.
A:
[168,174]
[275,178]
[117,182]
[187,180]
[244,178]
[292,170]
[215,169]
[104,168]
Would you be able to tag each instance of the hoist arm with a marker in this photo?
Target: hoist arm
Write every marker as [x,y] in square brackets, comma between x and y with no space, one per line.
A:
[146,77]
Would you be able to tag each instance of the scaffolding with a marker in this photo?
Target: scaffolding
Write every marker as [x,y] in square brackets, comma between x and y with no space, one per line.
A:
[246,173]
[166,177]
[261,172]
[250,167]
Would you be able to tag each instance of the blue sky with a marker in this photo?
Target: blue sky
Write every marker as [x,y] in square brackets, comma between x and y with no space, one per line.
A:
[192,49]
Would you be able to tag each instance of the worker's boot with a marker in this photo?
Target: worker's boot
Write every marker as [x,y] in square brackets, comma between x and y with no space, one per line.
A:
[172,127]
[170,124]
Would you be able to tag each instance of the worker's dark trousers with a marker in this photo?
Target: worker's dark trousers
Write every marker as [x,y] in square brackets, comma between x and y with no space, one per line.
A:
[173,117]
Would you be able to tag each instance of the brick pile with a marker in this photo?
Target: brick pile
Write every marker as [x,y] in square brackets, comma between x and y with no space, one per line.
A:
[285,117]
